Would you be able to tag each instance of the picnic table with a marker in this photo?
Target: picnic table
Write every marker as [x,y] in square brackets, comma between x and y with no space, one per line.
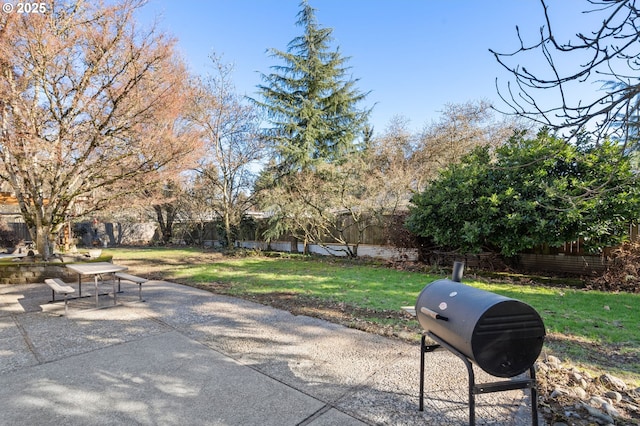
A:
[97,269]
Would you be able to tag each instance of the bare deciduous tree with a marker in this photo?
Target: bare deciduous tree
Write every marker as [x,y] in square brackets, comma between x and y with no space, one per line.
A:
[606,56]
[335,205]
[197,208]
[322,206]
[390,157]
[461,128]
[90,108]
[233,145]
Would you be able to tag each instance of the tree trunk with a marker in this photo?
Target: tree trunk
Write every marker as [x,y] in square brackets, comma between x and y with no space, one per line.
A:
[167,235]
[43,241]
[227,229]
[165,223]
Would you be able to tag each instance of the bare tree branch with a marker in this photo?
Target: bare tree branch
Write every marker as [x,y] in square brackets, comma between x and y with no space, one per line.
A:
[608,56]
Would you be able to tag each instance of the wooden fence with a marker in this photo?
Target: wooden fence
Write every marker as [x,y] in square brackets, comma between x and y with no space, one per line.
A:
[571,258]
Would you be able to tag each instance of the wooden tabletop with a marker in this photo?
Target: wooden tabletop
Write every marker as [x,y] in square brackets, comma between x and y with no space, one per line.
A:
[94,268]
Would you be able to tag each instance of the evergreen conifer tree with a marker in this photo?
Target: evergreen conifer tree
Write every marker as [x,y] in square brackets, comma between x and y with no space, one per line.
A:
[311,100]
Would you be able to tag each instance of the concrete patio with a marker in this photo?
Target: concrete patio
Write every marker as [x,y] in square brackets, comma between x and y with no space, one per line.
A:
[189,357]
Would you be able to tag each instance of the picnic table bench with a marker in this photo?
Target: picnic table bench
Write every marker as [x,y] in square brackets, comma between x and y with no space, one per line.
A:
[134,279]
[60,287]
[410,310]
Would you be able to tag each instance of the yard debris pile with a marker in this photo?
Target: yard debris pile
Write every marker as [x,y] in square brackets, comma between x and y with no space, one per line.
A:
[624,272]
[568,396]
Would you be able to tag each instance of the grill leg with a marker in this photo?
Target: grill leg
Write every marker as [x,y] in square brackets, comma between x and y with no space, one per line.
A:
[422,351]
[472,395]
[472,380]
[534,397]
[424,348]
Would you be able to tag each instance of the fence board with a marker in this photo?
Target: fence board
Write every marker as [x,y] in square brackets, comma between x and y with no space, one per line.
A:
[574,265]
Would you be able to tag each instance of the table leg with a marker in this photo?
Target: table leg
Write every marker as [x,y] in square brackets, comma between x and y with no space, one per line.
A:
[95,280]
[113,280]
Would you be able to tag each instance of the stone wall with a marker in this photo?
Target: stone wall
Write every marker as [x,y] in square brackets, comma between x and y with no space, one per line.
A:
[30,272]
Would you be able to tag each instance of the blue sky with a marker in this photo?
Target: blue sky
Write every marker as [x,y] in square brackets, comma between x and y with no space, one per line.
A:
[414,56]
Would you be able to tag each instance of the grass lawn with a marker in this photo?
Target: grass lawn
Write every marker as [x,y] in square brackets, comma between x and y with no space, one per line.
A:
[598,331]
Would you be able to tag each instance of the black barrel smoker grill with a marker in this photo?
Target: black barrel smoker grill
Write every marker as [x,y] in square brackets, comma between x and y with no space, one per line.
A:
[502,336]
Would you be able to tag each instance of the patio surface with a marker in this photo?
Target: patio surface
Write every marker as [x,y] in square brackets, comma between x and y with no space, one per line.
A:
[189,357]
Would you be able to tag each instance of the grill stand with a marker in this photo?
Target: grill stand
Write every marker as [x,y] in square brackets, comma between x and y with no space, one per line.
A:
[475,389]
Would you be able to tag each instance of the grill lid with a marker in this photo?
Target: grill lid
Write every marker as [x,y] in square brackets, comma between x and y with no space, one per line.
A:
[503,336]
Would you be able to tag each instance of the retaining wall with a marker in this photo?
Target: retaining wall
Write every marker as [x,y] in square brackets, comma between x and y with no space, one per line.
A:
[24,273]
[364,250]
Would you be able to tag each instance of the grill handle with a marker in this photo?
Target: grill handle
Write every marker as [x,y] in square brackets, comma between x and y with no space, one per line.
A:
[433,314]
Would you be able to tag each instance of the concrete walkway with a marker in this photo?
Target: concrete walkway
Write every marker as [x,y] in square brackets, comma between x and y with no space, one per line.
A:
[189,357]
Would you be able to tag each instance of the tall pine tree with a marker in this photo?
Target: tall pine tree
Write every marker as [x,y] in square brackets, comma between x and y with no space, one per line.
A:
[311,100]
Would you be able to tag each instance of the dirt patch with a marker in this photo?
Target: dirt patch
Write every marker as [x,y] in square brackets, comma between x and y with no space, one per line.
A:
[368,320]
